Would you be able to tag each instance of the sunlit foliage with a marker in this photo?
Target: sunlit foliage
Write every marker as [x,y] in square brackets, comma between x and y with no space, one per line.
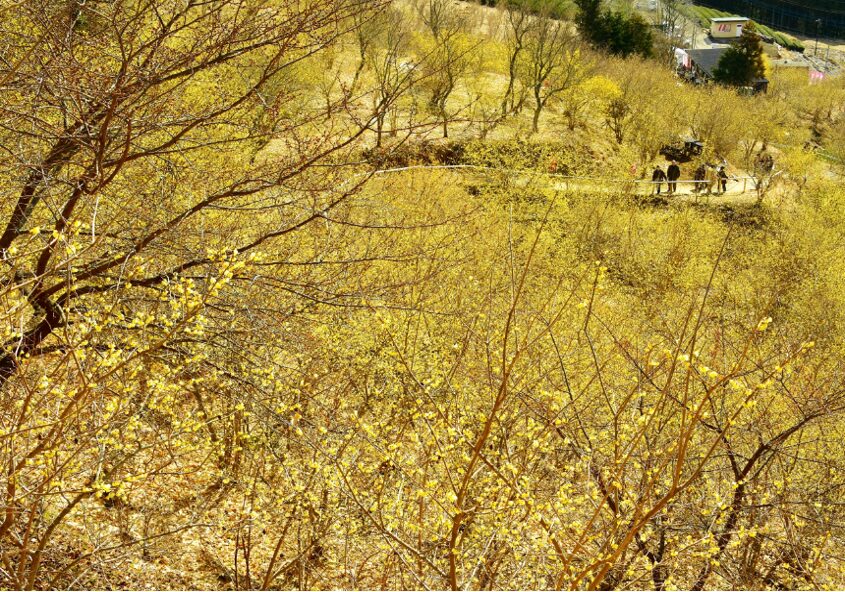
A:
[237,354]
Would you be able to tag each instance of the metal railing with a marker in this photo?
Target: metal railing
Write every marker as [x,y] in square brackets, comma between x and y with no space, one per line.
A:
[574,178]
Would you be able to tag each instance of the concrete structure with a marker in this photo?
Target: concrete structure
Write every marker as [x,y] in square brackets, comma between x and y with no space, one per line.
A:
[729,27]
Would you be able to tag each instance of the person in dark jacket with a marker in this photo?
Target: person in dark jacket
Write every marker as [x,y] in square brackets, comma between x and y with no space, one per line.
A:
[764,163]
[722,180]
[700,174]
[657,178]
[673,174]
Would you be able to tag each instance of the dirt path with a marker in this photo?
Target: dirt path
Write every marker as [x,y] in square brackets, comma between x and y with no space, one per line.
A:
[740,191]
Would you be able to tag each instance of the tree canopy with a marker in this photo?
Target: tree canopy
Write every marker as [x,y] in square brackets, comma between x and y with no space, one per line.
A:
[621,33]
[263,327]
[743,62]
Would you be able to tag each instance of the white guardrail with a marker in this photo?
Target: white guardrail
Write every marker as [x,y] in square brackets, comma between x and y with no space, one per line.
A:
[531,172]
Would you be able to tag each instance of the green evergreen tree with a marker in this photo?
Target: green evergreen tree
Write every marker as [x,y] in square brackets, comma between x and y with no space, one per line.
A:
[588,18]
[618,32]
[742,63]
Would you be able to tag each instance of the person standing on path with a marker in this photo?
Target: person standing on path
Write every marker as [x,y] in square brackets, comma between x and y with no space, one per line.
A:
[722,182]
[657,178]
[709,178]
[673,174]
[700,172]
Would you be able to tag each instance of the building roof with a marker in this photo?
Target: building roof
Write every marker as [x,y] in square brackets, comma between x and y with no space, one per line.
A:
[730,19]
[706,59]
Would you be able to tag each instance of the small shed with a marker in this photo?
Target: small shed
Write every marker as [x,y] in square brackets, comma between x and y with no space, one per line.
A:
[699,65]
[728,27]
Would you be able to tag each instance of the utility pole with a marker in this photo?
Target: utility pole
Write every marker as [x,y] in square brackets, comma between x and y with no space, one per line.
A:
[818,29]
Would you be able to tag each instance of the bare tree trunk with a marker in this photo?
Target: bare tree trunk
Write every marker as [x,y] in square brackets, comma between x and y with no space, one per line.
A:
[379,128]
[509,92]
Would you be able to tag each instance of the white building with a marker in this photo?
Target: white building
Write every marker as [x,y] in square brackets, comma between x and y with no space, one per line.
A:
[729,27]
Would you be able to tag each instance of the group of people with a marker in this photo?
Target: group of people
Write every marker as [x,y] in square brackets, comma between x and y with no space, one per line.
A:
[764,163]
[706,177]
[670,176]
